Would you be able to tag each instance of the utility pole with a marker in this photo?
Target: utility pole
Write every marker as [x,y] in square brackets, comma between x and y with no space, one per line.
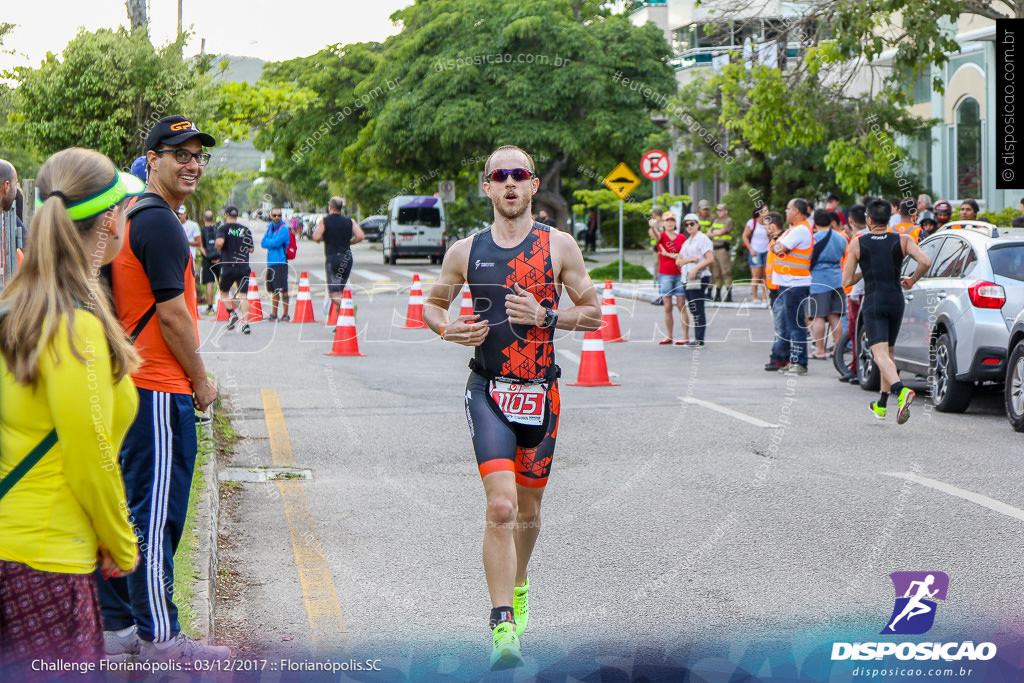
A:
[179,18]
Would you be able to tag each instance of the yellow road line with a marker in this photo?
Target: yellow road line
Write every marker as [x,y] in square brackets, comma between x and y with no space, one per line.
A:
[326,622]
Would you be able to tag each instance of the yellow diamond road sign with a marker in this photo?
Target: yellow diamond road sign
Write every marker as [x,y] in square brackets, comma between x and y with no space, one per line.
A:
[621,181]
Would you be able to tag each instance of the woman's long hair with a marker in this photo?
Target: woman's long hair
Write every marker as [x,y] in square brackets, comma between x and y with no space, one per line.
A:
[56,276]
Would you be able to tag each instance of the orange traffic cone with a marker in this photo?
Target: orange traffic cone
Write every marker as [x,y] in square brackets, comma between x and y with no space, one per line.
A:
[222,310]
[467,302]
[332,317]
[593,368]
[304,303]
[346,339]
[609,316]
[414,315]
[253,297]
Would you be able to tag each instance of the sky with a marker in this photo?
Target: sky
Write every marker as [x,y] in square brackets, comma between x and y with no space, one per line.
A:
[272,31]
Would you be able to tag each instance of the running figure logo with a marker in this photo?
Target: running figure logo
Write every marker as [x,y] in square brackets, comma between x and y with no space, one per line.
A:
[914,613]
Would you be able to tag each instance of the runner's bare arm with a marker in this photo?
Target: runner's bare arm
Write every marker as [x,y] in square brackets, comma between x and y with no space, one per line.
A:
[463,330]
[318,231]
[850,273]
[523,307]
[357,233]
[911,249]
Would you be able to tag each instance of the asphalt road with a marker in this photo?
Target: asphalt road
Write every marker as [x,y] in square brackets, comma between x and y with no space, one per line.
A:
[703,511]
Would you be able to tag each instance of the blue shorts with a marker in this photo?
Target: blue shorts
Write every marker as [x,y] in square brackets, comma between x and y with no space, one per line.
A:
[757,259]
[670,285]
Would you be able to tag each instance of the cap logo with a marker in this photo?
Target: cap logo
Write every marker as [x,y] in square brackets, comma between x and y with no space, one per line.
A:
[181,125]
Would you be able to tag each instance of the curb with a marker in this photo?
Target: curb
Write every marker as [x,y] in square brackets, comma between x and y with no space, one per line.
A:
[207,509]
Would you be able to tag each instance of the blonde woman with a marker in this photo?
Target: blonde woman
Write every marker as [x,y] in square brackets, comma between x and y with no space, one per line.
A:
[66,401]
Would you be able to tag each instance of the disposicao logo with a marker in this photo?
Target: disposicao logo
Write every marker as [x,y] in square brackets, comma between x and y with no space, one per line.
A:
[914,614]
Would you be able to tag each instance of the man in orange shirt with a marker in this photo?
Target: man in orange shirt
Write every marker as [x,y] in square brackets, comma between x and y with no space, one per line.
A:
[153,282]
[906,225]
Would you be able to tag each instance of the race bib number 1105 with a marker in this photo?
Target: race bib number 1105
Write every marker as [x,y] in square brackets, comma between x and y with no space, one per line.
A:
[521,403]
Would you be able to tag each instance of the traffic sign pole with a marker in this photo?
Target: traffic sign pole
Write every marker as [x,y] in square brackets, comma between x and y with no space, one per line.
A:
[620,239]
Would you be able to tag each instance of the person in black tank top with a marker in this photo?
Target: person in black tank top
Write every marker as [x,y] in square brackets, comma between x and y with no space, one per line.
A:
[338,232]
[880,255]
[515,270]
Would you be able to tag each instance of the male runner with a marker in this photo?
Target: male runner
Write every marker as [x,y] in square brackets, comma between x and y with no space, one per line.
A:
[515,269]
[880,255]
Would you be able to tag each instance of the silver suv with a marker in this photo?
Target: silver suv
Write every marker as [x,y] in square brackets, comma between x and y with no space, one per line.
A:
[956,325]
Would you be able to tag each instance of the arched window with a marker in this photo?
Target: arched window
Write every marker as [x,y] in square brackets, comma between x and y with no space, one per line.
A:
[968,149]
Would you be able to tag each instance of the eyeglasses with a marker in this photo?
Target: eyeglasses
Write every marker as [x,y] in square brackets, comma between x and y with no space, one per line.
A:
[690,223]
[499,175]
[183,156]
[275,215]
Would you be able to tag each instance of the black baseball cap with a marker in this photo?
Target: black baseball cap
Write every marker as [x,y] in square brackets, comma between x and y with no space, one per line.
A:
[231,210]
[174,130]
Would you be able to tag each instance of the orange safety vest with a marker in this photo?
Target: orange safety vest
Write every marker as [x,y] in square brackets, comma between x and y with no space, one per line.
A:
[909,229]
[768,267]
[798,261]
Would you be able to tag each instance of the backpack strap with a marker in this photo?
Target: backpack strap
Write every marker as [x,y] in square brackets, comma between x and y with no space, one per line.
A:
[137,206]
[33,457]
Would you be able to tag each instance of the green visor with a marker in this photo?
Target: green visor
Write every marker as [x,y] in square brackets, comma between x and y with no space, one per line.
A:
[124,185]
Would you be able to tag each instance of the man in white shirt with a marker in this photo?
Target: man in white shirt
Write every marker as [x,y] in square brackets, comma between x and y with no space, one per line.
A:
[191,228]
[792,273]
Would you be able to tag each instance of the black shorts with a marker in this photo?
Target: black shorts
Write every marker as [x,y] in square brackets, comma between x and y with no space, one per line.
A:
[207,275]
[881,316]
[824,304]
[277,278]
[503,446]
[230,274]
[339,268]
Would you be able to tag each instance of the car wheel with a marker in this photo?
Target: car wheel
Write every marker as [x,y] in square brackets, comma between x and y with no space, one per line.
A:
[868,374]
[842,354]
[1014,390]
[949,395]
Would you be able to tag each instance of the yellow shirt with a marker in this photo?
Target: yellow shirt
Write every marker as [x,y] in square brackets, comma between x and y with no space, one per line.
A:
[52,519]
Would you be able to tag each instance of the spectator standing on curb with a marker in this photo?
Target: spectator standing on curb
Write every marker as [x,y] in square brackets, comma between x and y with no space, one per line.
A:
[191,229]
[694,260]
[779,357]
[704,215]
[721,239]
[338,232]
[156,302]
[827,302]
[854,294]
[792,272]
[211,257]
[590,241]
[654,230]
[924,203]
[670,282]
[755,239]
[943,212]
[235,243]
[63,351]
[969,210]
[275,241]
[832,204]
[906,226]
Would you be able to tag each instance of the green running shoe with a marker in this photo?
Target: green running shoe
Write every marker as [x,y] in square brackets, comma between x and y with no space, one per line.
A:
[877,410]
[906,398]
[521,607]
[506,653]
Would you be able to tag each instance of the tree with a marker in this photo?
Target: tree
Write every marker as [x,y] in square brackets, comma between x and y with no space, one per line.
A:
[465,76]
[105,91]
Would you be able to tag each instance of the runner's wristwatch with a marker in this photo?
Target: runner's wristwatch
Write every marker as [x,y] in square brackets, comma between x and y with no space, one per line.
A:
[550,318]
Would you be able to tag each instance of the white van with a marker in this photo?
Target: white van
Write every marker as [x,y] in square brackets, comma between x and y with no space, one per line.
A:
[416,228]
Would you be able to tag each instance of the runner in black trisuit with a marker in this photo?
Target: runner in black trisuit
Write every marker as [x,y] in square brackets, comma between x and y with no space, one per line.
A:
[515,270]
[880,254]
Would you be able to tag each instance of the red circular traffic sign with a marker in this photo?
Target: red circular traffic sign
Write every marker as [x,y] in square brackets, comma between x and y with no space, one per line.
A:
[654,165]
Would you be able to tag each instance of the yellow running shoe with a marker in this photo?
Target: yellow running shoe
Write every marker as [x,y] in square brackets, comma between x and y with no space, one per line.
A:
[906,398]
[506,653]
[521,607]
[877,410]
